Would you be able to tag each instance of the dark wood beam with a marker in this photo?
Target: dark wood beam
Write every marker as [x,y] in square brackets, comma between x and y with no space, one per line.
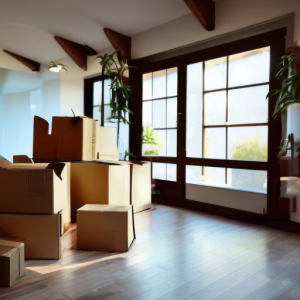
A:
[31,64]
[120,42]
[77,52]
[204,11]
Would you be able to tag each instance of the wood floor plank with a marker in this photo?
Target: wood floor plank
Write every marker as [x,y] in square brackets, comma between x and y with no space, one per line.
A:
[178,254]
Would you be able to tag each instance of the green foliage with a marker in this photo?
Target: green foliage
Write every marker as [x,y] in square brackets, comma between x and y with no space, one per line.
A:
[114,67]
[128,154]
[251,150]
[290,84]
[288,144]
[152,140]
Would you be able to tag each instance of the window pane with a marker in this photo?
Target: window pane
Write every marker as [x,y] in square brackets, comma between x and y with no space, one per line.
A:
[107,114]
[151,142]
[215,74]
[159,114]
[172,112]
[147,114]
[194,111]
[215,108]
[172,82]
[248,143]
[159,171]
[249,67]
[107,91]
[248,105]
[147,86]
[96,113]
[97,93]
[172,172]
[159,84]
[162,140]
[193,174]
[172,142]
[250,180]
[215,143]
[214,176]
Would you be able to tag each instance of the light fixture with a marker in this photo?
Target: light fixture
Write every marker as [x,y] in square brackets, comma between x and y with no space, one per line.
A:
[58,68]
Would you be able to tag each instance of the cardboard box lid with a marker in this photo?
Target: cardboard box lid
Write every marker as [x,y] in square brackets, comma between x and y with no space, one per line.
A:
[104,208]
[56,167]
[7,247]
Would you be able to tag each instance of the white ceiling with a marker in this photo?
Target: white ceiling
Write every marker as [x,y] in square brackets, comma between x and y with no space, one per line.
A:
[28,27]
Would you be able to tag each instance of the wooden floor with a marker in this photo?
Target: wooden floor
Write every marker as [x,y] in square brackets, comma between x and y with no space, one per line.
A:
[178,254]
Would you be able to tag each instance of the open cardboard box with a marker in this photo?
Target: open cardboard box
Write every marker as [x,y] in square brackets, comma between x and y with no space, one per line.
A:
[33,188]
[73,138]
[41,234]
[11,262]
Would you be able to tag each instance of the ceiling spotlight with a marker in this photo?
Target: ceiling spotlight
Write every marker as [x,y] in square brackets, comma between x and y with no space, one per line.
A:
[58,68]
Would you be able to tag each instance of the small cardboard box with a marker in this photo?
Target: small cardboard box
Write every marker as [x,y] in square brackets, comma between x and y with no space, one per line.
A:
[39,233]
[11,262]
[73,138]
[105,227]
[33,188]
[140,174]
[98,183]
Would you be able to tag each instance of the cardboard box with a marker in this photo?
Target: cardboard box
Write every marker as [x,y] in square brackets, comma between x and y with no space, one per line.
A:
[140,184]
[66,212]
[11,262]
[98,183]
[105,227]
[40,233]
[33,188]
[73,138]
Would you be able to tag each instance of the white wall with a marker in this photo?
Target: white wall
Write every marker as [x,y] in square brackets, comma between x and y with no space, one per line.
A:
[231,15]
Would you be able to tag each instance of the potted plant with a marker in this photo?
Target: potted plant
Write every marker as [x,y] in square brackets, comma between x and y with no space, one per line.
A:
[288,94]
[114,66]
[289,74]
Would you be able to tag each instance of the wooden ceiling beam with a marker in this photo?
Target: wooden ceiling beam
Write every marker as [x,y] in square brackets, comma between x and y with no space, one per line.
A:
[204,11]
[120,42]
[31,64]
[77,52]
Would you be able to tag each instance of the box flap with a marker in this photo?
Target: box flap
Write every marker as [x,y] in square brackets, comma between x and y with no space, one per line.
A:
[22,159]
[4,162]
[56,167]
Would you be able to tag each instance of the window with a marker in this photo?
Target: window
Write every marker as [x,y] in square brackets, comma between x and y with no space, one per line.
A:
[227,117]
[95,106]
[159,116]
[97,100]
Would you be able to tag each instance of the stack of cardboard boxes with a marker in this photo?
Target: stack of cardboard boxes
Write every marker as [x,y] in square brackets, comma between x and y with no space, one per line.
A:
[33,200]
[97,177]
[76,164]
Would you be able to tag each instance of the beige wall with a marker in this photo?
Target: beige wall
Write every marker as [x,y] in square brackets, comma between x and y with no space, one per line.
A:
[231,15]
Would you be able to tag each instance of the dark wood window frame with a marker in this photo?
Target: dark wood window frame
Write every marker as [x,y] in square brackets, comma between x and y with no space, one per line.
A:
[276,40]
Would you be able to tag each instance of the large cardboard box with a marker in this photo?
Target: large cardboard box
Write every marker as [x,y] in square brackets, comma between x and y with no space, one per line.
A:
[140,184]
[105,227]
[73,138]
[41,234]
[98,183]
[11,262]
[66,212]
[33,188]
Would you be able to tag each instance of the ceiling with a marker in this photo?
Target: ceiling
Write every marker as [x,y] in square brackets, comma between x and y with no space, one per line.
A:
[28,27]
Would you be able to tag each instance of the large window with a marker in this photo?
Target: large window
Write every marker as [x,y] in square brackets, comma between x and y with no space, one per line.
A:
[160,113]
[227,117]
